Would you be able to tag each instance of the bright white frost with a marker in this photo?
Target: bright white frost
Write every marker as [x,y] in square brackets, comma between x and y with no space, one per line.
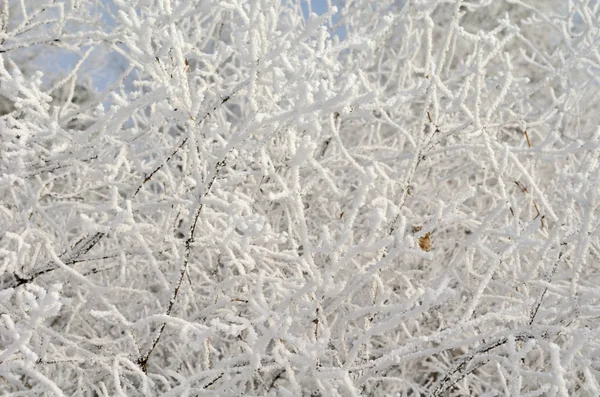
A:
[226,198]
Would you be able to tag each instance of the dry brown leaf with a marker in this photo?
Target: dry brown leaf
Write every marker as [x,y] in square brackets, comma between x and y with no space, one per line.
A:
[425,242]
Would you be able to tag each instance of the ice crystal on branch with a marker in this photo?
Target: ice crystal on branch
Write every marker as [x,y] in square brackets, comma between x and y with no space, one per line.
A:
[245,197]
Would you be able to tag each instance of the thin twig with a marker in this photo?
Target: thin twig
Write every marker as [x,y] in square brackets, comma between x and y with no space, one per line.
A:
[143,360]
[536,308]
[51,266]
[177,149]
[459,369]
[527,137]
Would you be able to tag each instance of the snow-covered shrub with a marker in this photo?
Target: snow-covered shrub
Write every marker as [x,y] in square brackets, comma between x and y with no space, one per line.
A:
[257,206]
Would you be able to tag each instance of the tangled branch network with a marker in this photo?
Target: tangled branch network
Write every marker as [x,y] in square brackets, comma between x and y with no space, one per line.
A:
[246,198]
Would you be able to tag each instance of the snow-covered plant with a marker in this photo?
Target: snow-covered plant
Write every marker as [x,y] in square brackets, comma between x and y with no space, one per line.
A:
[243,198]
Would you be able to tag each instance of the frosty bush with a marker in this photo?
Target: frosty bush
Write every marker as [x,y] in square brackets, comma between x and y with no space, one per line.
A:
[255,206]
